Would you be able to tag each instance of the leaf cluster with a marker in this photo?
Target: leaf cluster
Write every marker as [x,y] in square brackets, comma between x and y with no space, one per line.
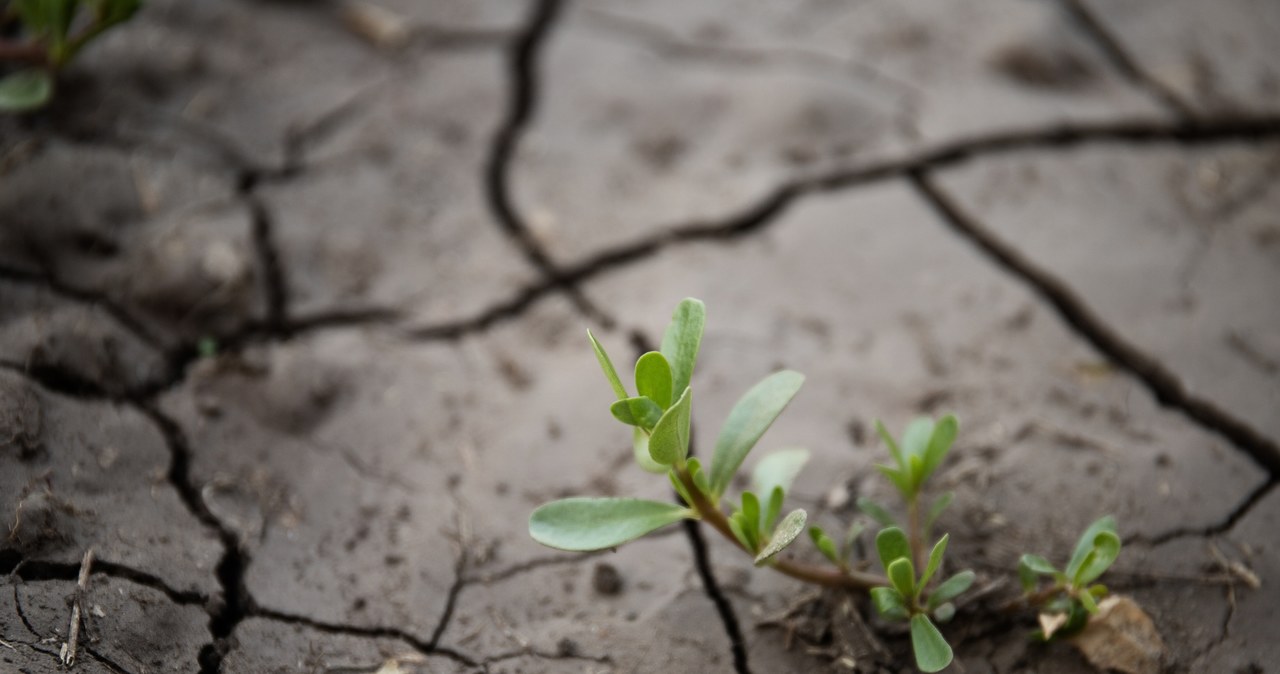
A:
[54,31]
[1071,595]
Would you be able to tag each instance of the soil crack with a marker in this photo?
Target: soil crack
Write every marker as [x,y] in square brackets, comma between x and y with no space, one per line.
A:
[1163,384]
[523,63]
[13,564]
[426,647]
[1124,63]
[1226,524]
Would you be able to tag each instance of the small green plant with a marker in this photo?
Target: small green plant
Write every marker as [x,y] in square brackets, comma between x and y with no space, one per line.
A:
[51,33]
[1071,596]
[660,413]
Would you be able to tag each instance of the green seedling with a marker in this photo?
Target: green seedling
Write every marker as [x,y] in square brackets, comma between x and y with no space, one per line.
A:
[51,33]
[1071,596]
[659,415]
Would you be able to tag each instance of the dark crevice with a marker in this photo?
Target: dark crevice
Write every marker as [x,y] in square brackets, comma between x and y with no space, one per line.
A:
[230,571]
[105,661]
[506,310]
[274,288]
[451,600]
[732,628]
[425,647]
[12,562]
[529,565]
[765,211]
[1120,58]
[1224,525]
[118,313]
[522,62]
[1163,384]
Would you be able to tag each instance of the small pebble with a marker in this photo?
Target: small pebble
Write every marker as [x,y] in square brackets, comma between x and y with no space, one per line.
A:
[606,580]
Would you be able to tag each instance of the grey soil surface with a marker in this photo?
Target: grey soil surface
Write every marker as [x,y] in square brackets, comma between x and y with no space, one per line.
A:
[292,323]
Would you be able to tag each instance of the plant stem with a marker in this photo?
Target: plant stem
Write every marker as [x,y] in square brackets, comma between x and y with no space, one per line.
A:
[825,576]
[913,532]
[30,53]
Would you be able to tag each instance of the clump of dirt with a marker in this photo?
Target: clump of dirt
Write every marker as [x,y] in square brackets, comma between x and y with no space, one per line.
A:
[21,421]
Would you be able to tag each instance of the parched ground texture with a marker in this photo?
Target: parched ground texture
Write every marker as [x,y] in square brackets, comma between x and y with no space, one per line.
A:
[292,325]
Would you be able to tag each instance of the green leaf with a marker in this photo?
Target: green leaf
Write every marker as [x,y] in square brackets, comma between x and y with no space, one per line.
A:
[875,511]
[944,613]
[893,446]
[639,411]
[699,476]
[748,420]
[952,588]
[1030,568]
[607,365]
[773,510]
[735,525]
[889,603]
[936,508]
[935,560]
[944,433]
[824,544]
[1086,543]
[640,446]
[669,442]
[892,544]
[1087,601]
[678,486]
[583,524]
[778,469]
[915,440]
[933,654]
[751,513]
[903,576]
[787,530]
[900,479]
[681,341]
[653,378]
[1106,547]
[25,90]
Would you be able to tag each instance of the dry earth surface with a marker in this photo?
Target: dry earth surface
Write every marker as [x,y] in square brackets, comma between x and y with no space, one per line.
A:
[292,324]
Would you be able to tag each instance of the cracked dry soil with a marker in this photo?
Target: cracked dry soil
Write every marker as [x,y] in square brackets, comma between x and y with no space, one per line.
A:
[1057,219]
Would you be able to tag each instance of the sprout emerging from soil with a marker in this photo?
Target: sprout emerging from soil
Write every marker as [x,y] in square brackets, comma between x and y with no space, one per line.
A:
[909,591]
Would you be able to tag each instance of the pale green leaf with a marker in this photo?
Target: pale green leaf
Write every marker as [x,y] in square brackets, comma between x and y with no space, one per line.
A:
[903,576]
[1086,543]
[945,612]
[892,544]
[900,479]
[773,509]
[944,433]
[677,485]
[583,524]
[640,446]
[894,451]
[1088,602]
[669,441]
[25,90]
[735,525]
[653,378]
[787,530]
[639,411]
[778,469]
[607,365]
[1106,547]
[1030,568]
[933,654]
[751,514]
[889,603]
[681,341]
[824,544]
[935,560]
[749,419]
[952,588]
[915,440]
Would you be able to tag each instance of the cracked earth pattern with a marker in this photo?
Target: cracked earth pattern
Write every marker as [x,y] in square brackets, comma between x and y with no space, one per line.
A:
[1057,219]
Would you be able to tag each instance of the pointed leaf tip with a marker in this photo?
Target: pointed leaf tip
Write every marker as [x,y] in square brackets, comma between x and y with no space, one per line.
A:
[787,530]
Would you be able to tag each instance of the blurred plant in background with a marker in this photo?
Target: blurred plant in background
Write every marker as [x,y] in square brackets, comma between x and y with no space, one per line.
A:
[40,37]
